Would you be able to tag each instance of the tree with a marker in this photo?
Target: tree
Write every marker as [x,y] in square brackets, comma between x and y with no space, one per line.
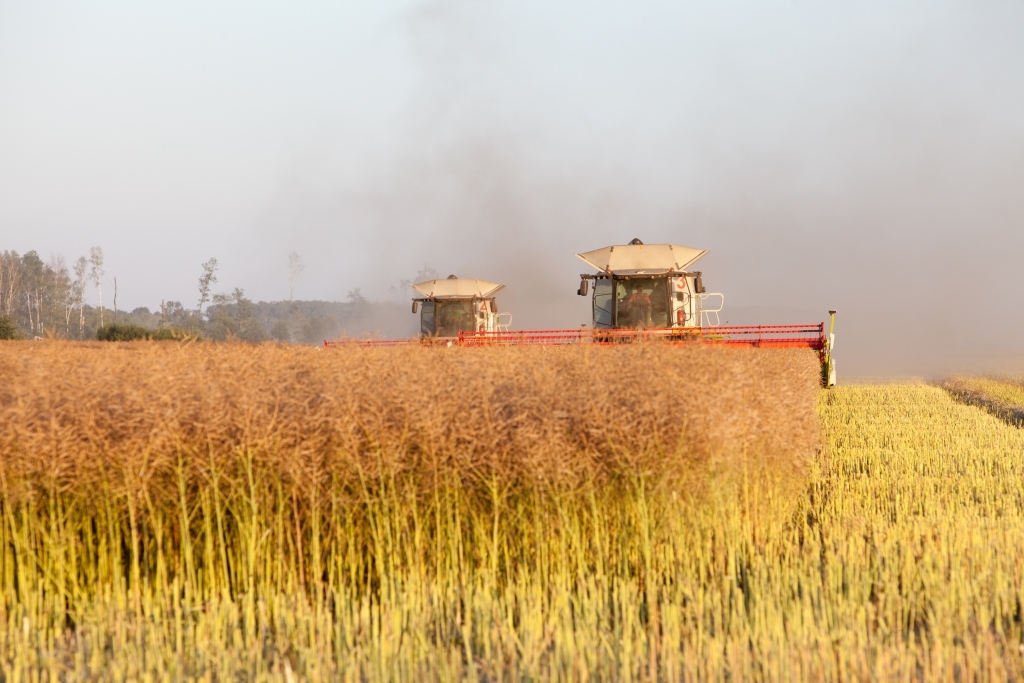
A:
[243,305]
[280,331]
[424,274]
[10,281]
[78,291]
[33,275]
[249,328]
[315,330]
[96,275]
[61,292]
[232,316]
[36,295]
[172,314]
[295,266]
[205,280]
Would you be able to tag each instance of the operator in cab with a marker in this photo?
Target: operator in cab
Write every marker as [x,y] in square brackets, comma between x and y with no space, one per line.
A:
[637,308]
[453,318]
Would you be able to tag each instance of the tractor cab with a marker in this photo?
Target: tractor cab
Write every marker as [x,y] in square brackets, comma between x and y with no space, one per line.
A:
[453,305]
[648,286]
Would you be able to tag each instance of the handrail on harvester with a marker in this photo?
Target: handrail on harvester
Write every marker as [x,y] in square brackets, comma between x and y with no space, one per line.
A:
[765,336]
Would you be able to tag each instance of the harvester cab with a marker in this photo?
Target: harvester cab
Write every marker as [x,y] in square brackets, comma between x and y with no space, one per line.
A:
[649,286]
[453,305]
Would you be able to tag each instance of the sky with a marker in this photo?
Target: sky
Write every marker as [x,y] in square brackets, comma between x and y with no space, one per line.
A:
[863,156]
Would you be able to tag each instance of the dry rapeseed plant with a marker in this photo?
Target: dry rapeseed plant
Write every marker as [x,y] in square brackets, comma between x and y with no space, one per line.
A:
[141,419]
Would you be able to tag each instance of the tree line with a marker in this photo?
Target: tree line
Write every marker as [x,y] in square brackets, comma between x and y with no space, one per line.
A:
[38,296]
[47,299]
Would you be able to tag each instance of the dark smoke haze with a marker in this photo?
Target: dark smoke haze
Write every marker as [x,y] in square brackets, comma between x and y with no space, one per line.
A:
[864,157]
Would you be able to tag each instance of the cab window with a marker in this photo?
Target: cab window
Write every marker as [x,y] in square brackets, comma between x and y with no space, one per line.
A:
[642,302]
[453,317]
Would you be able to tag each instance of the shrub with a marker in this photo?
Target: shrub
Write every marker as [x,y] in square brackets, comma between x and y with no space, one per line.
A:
[115,332]
[171,334]
[8,328]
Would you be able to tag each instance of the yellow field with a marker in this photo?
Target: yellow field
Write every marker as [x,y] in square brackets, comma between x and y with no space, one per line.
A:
[176,512]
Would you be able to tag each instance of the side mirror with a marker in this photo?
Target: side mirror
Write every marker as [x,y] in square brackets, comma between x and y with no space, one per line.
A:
[494,306]
[584,285]
[698,285]
[415,306]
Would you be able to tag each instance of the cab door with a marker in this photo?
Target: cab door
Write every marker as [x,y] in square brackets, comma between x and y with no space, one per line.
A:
[603,319]
[428,327]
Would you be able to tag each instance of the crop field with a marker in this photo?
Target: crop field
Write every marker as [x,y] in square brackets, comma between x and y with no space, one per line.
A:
[176,511]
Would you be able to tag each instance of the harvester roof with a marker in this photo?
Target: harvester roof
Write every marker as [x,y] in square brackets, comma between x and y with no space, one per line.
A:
[457,288]
[642,258]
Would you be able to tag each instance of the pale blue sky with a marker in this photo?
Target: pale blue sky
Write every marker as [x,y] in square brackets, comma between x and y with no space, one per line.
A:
[865,156]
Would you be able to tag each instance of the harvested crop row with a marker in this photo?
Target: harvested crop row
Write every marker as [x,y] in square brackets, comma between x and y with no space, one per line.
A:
[1002,397]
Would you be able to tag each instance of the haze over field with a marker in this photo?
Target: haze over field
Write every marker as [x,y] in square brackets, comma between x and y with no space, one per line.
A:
[862,156]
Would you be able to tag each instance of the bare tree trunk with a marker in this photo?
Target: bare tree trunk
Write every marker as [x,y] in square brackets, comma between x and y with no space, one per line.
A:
[8,295]
[10,265]
[115,300]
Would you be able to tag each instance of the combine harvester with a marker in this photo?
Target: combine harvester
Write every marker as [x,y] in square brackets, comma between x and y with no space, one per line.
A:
[640,293]
[454,306]
[448,309]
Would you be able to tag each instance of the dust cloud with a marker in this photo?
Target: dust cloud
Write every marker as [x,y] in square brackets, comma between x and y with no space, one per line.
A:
[829,160]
